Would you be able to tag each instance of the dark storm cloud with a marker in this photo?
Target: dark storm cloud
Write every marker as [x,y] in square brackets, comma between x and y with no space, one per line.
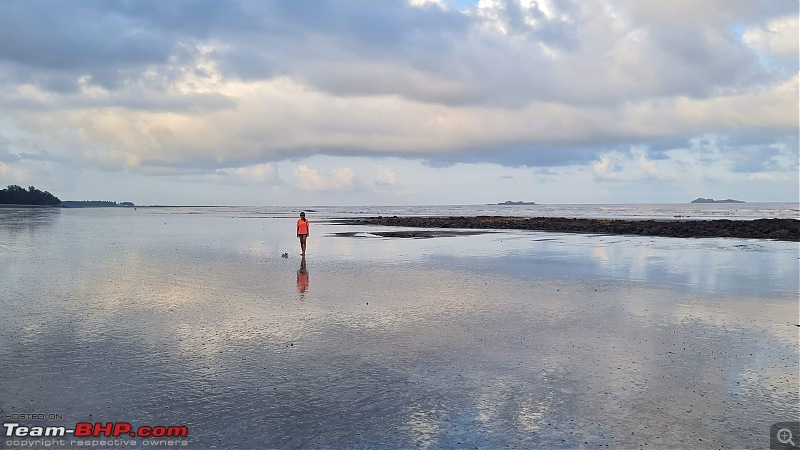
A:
[54,43]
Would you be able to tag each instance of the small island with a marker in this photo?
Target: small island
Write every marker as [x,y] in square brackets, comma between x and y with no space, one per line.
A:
[711,200]
[19,196]
[510,203]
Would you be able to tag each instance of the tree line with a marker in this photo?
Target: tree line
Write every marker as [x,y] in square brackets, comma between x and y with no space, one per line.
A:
[17,195]
[92,204]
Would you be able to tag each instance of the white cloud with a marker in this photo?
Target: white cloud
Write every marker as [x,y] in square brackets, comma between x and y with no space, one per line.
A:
[259,173]
[648,167]
[424,3]
[13,174]
[341,179]
[777,37]
[386,177]
[602,169]
[632,167]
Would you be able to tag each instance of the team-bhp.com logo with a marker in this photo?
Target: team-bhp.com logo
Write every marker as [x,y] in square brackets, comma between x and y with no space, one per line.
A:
[97,429]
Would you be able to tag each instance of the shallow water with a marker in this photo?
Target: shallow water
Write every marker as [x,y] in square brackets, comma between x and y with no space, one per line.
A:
[191,317]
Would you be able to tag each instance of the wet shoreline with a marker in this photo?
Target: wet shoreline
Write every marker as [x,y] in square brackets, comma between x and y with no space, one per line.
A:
[775,229]
[487,339]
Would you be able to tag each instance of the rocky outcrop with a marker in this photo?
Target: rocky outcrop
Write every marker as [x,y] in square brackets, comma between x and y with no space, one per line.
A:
[779,229]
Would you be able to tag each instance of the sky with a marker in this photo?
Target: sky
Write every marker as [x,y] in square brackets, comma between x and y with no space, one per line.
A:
[400,102]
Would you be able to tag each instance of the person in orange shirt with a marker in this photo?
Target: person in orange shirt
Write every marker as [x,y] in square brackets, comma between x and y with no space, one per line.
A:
[302,232]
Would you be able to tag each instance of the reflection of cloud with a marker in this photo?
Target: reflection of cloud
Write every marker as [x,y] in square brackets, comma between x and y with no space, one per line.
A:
[600,254]
[506,399]
[259,249]
[424,428]
[641,261]
[530,413]
[748,314]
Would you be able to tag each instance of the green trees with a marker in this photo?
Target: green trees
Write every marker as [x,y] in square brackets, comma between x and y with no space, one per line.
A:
[16,195]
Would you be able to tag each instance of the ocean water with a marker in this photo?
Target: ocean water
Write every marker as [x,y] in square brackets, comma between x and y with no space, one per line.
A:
[688,211]
[683,211]
[191,316]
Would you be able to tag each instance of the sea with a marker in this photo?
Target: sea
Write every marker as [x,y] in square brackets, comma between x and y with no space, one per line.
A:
[209,318]
[660,211]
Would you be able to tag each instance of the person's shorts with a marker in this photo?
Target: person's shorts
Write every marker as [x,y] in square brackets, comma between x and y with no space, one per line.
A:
[302,235]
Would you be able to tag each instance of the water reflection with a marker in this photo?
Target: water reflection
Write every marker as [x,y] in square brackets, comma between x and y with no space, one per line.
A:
[302,277]
[19,226]
[12,217]
[721,266]
[499,345]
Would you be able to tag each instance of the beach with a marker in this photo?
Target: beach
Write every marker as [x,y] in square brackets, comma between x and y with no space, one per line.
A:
[190,316]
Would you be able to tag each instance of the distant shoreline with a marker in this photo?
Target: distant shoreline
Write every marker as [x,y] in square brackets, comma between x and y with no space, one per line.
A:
[14,205]
[776,229]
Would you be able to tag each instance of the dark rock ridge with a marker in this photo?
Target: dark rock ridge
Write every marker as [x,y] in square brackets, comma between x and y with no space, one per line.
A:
[778,229]
[93,204]
[711,200]
[509,202]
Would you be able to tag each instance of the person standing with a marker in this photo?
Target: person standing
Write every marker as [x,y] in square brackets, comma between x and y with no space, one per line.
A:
[302,232]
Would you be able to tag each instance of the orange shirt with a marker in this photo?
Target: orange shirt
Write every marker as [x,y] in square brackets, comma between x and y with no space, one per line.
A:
[302,226]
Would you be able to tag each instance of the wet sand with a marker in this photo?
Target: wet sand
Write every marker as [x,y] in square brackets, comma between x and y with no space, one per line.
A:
[778,229]
[513,338]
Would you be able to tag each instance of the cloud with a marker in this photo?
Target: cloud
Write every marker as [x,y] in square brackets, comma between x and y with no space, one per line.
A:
[603,169]
[256,174]
[648,167]
[13,174]
[5,153]
[341,179]
[631,166]
[224,89]
[777,37]
[386,177]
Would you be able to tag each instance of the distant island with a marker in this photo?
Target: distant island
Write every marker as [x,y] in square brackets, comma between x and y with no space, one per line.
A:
[509,202]
[94,204]
[17,195]
[711,200]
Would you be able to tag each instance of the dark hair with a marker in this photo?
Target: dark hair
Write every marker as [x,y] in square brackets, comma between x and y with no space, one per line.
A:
[302,213]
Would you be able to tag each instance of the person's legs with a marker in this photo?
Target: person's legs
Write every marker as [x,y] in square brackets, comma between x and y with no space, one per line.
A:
[303,243]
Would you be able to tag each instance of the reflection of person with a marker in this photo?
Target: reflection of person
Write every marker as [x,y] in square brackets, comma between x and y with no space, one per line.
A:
[302,276]
[302,232]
